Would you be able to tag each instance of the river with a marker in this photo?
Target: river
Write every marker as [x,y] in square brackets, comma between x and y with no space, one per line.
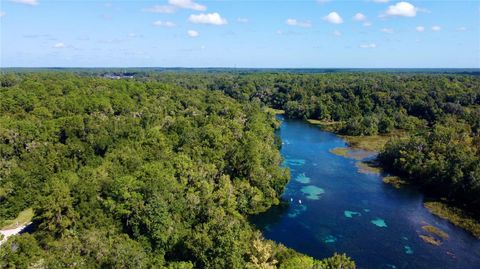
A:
[329,206]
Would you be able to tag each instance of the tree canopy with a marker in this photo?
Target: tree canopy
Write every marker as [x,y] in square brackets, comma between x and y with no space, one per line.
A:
[129,174]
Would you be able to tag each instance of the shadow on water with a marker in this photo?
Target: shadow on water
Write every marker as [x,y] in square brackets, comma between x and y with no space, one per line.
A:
[271,216]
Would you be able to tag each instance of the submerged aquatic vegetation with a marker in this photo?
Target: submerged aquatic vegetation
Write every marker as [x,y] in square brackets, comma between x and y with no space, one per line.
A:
[351,214]
[312,192]
[294,162]
[302,178]
[297,211]
[408,250]
[379,222]
[329,239]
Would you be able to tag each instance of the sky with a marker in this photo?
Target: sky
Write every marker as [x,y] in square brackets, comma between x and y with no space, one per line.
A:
[240,33]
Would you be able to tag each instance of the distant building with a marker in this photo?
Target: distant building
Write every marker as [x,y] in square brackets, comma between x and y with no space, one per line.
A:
[118,76]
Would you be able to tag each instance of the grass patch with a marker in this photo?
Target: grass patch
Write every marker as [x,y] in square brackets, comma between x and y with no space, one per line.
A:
[436,231]
[340,152]
[430,240]
[275,111]
[394,181]
[331,126]
[23,218]
[352,153]
[366,168]
[371,143]
[455,215]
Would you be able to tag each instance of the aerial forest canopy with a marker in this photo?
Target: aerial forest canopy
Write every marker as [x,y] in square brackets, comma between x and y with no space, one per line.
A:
[163,170]
[138,174]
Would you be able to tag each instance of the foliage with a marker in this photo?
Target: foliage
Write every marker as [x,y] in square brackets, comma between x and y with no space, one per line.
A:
[443,160]
[162,170]
[127,174]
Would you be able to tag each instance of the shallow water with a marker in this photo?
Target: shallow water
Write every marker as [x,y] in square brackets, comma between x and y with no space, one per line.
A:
[330,207]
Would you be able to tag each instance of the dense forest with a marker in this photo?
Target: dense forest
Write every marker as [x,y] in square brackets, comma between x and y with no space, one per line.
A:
[138,174]
[439,113]
[163,169]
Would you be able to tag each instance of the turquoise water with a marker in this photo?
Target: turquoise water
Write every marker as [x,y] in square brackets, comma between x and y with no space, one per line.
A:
[329,206]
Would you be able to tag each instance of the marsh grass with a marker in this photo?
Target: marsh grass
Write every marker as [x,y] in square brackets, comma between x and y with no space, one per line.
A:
[395,181]
[331,126]
[340,152]
[352,153]
[435,231]
[368,168]
[455,215]
[430,240]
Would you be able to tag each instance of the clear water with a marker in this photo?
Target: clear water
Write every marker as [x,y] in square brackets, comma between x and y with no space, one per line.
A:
[330,207]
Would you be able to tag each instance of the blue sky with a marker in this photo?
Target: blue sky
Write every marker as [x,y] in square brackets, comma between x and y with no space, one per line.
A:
[240,33]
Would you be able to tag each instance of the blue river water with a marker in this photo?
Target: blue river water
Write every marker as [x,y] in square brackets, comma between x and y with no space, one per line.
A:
[329,206]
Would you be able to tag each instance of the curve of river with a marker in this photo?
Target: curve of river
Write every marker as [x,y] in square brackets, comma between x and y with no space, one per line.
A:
[329,206]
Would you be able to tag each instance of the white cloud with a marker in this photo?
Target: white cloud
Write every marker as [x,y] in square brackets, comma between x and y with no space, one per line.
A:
[2,14]
[420,29]
[436,28]
[462,29]
[381,1]
[164,24]
[160,9]
[337,33]
[403,9]
[368,46]
[359,17]
[26,2]
[192,33]
[59,45]
[242,20]
[333,17]
[279,32]
[294,22]
[367,24]
[209,18]
[173,5]
[187,4]
[387,30]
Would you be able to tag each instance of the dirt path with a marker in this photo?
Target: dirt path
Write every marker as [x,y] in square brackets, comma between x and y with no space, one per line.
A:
[7,233]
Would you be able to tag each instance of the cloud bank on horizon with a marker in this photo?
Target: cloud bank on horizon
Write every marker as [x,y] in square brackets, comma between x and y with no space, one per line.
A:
[195,33]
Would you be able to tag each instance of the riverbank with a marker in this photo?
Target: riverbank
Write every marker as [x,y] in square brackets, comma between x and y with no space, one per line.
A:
[373,143]
[454,215]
